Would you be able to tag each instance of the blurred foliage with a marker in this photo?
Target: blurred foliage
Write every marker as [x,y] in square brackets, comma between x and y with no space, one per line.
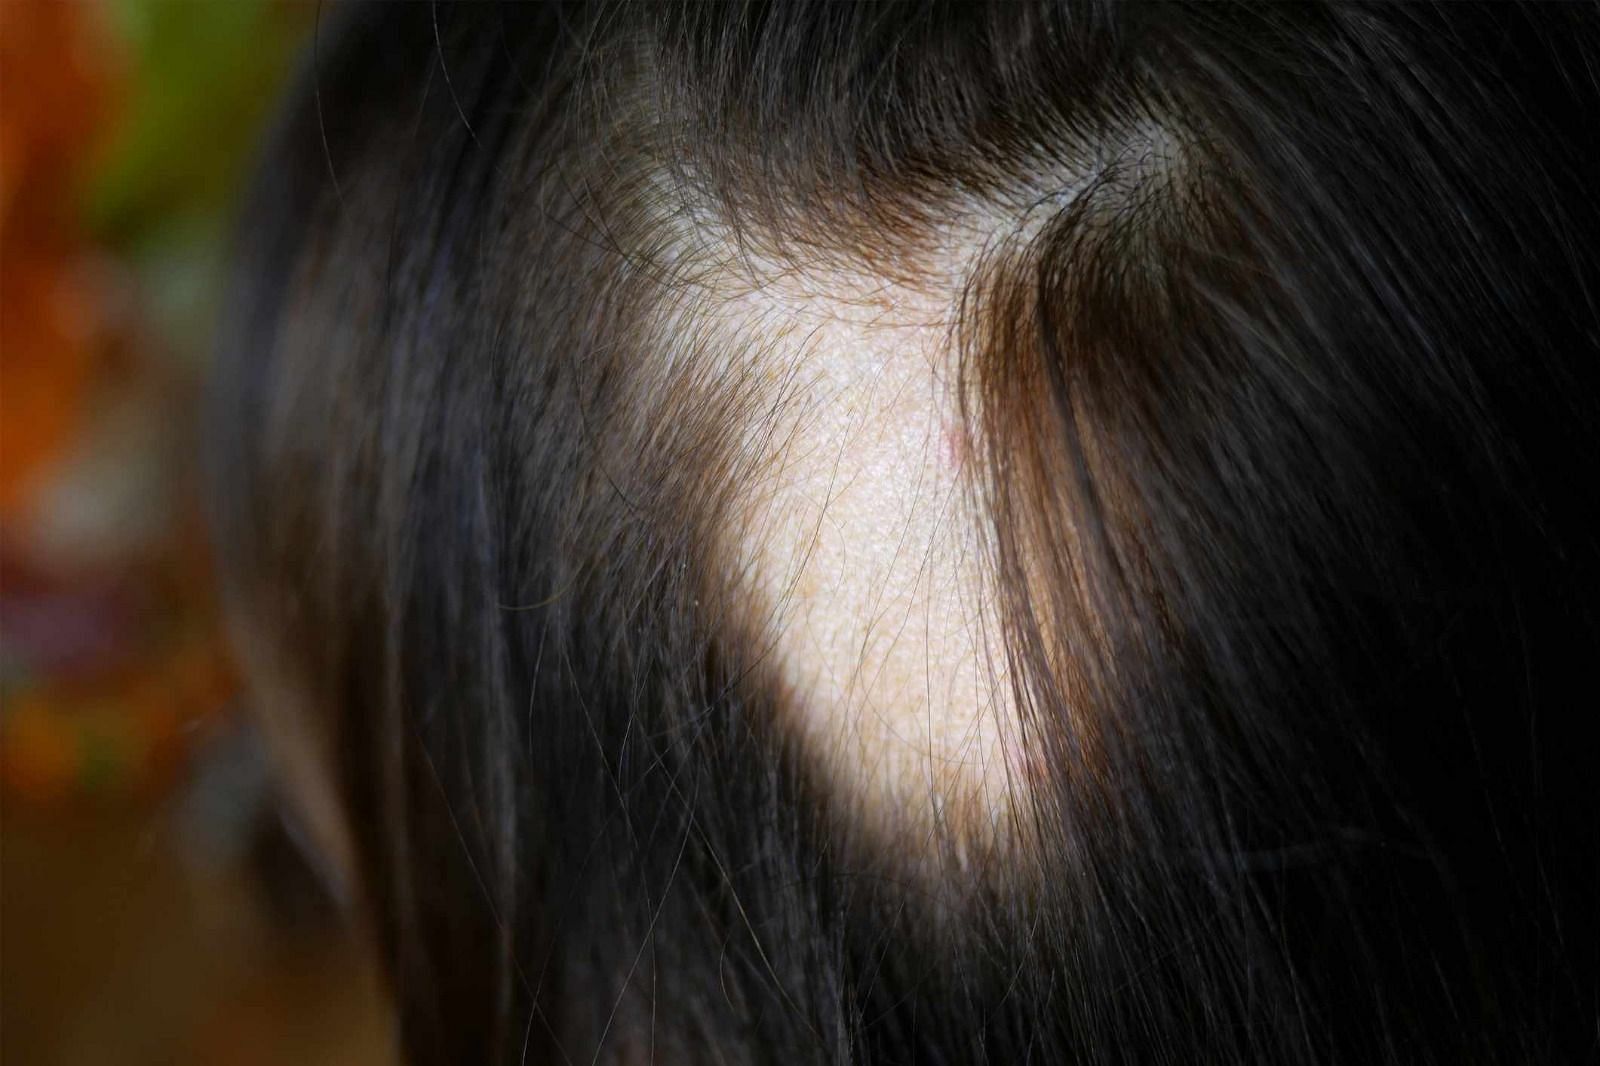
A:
[204,76]
[139,917]
[126,130]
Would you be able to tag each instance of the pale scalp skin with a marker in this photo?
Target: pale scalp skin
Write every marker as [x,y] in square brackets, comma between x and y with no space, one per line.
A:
[859,541]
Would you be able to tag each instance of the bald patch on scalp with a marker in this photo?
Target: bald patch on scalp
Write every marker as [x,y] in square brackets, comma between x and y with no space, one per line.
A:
[856,544]
[857,534]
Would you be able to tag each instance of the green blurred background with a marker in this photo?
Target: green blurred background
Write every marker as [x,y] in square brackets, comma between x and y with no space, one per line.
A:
[155,907]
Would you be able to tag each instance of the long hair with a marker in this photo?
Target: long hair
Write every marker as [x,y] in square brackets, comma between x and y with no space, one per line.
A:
[1271,338]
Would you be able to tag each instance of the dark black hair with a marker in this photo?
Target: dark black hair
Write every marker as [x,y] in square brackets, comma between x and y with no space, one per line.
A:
[1275,343]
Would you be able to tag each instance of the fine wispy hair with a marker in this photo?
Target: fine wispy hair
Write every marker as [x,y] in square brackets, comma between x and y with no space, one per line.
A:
[1272,340]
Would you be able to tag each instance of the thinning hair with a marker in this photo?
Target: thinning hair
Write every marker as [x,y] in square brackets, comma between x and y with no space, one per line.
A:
[1268,343]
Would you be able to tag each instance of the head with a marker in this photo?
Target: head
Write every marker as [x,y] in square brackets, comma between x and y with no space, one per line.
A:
[1040,532]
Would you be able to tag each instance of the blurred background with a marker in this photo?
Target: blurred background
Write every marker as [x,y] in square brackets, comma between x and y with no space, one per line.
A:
[155,907]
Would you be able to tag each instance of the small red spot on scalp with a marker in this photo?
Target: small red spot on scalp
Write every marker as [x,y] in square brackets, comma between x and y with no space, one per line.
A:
[955,446]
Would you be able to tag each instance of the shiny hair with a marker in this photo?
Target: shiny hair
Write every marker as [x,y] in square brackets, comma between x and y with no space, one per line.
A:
[1280,364]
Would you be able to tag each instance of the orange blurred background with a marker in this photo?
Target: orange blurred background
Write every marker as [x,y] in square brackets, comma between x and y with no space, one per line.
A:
[155,907]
